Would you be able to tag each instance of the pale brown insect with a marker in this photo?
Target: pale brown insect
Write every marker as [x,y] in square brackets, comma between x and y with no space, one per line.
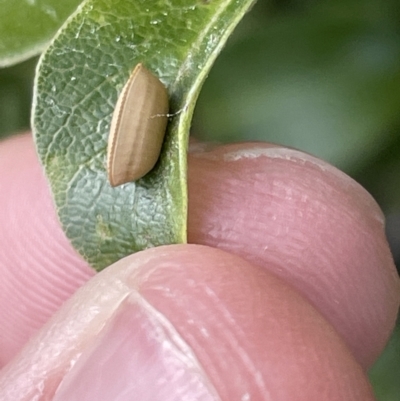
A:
[137,127]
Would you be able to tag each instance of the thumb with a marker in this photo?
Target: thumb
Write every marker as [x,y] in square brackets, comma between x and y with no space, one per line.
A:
[185,322]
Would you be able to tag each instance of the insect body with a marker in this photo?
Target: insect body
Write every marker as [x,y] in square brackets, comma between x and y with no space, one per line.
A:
[137,127]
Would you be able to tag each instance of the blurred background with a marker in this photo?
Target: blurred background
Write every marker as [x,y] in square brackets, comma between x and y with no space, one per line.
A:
[322,76]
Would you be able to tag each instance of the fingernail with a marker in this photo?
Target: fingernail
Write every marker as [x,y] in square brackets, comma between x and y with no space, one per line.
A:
[138,355]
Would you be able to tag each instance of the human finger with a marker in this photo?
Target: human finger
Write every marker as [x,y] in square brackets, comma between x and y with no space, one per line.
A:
[355,288]
[307,222]
[185,322]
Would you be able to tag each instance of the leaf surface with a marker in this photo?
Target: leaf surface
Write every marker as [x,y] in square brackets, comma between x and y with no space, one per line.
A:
[27,26]
[77,86]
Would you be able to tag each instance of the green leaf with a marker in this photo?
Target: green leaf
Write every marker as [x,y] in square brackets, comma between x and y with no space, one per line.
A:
[16,97]
[320,79]
[27,26]
[385,374]
[77,85]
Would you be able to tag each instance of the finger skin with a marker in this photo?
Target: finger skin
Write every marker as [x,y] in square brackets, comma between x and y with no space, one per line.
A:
[39,269]
[251,336]
[243,207]
[307,222]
